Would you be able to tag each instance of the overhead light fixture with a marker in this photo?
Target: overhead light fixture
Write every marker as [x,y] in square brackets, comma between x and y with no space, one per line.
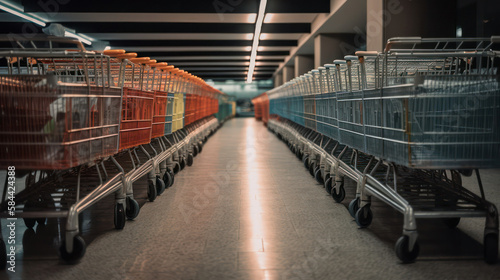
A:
[256,36]
[268,18]
[84,39]
[19,11]
[251,18]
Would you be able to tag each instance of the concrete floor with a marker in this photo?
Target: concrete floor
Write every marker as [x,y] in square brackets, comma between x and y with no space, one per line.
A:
[247,209]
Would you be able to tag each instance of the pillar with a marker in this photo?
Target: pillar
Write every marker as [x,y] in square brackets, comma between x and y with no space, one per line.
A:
[303,63]
[288,72]
[328,47]
[278,79]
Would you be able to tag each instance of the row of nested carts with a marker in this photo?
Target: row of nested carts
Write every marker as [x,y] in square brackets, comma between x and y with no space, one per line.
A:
[77,126]
[405,124]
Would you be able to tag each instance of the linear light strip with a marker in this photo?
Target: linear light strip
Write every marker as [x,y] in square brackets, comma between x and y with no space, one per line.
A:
[16,11]
[19,11]
[256,36]
[77,36]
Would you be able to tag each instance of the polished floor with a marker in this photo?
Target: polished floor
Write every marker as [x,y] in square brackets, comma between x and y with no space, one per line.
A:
[247,209]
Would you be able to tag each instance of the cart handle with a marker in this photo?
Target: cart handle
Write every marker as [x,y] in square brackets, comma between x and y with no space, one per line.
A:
[366,53]
[113,53]
[127,56]
[419,40]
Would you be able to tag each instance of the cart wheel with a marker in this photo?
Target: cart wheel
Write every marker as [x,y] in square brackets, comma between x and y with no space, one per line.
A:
[312,167]
[182,163]
[200,147]
[132,208]
[195,150]
[177,167]
[364,216]
[338,193]
[120,216]
[160,185]
[491,248]
[190,160]
[29,222]
[151,192]
[354,206]
[167,179]
[305,160]
[318,176]
[3,255]
[28,239]
[451,222]
[78,250]
[402,250]
[172,176]
[328,185]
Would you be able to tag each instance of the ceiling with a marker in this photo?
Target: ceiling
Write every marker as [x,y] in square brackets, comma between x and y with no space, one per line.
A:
[211,39]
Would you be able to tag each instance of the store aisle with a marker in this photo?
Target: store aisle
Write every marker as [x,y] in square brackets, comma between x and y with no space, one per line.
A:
[247,209]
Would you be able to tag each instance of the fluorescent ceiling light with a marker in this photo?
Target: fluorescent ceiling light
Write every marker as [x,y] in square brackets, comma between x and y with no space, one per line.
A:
[268,18]
[79,37]
[255,45]
[251,18]
[18,11]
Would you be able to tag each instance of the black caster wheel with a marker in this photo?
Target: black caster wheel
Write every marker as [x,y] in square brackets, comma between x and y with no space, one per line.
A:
[160,185]
[29,238]
[200,147]
[328,185]
[305,160]
[120,216]
[183,163]
[29,222]
[451,222]
[177,167]
[190,160]
[364,216]
[318,176]
[195,150]
[172,176]
[338,193]
[327,176]
[490,245]
[354,206]
[132,208]
[151,192]
[167,179]
[78,250]
[312,167]
[3,255]
[402,250]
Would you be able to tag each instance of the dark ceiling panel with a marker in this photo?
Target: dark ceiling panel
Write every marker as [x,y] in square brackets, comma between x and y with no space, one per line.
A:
[298,6]
[147,6]
[159,27]
[185,6]
[286,28]
[168,27]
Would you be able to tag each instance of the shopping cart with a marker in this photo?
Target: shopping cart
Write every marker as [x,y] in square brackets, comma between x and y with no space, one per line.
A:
[66,108]
[411,122]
